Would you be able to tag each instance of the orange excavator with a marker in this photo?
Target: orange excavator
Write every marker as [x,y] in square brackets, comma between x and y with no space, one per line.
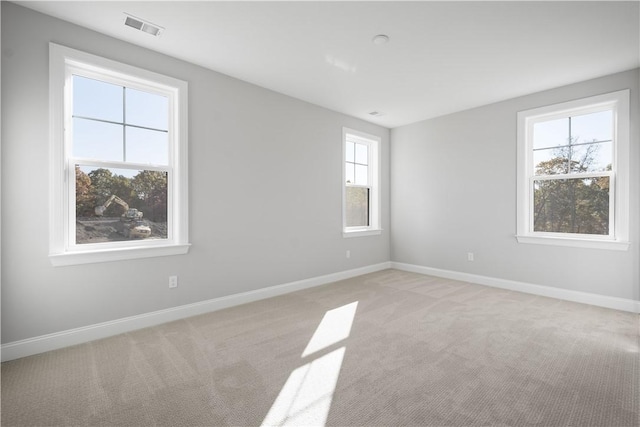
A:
[133,228]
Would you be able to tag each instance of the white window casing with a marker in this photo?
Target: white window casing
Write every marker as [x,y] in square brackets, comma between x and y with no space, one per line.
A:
[64,63]
[372,143]
[618,227]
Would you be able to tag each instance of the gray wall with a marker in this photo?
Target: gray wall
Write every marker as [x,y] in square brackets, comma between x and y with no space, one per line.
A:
[265,192]
[453,191]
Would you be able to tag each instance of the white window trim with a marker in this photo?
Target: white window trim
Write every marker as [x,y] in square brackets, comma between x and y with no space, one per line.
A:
[374,171]
[61,250]
[619,238]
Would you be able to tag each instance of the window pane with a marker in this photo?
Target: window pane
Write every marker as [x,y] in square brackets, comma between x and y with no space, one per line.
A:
[349,173]
[585,158]
[97,140]
[120,204]
[362,156]
[592,127]
[96,99]
[551,133]
[147,109]
[572,206]
[357,207]
[147,146]
[592,157]
[350,154]
[551,161]
[362,175]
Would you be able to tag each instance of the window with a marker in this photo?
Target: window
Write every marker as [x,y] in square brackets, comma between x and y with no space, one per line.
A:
[361,200]
[119,160]
[573,173]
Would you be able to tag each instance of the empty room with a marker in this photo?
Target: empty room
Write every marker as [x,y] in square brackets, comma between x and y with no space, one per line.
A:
[320,213]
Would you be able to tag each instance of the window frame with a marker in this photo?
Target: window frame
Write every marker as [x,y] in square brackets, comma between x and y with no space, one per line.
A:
[618,237]
[65,62]
[373,170]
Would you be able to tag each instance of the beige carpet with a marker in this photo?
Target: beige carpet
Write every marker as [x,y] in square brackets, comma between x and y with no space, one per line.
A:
[385,349]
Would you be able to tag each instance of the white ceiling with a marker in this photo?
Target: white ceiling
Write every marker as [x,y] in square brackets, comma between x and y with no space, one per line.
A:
[442,56]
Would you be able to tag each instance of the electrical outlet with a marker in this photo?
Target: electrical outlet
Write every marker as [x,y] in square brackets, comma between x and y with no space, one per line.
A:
[173,281]
[348,254]
[469,256]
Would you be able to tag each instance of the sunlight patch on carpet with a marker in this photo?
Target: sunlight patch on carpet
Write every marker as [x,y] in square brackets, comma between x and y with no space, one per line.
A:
[306,397]
[334,327]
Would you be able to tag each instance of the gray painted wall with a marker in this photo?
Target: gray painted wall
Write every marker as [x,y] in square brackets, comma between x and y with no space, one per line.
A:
[265,192]
[453,191]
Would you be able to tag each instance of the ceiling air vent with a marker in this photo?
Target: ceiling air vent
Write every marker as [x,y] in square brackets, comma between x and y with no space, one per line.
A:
[139,24]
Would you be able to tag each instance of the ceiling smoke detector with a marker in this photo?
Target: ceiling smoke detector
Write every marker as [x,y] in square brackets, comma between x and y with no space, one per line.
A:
[380,39]
[142,25]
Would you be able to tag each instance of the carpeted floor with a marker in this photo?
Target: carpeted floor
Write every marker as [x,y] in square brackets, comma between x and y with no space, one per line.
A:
[385,349]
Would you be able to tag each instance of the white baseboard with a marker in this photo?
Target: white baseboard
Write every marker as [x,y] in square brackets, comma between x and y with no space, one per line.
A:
[40,344]
[622,304]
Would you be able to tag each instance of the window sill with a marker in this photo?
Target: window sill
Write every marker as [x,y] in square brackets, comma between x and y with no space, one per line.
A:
[574,242]
[361,233]
[120,254]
